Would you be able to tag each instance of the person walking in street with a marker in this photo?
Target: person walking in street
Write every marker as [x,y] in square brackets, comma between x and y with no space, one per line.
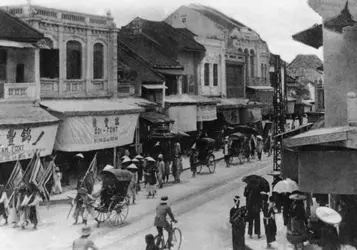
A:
[226,151]
[83,243]
[237,219]
[32,207]
[150,242]
[151,177]
[3,204]
[84,206]
[252,194]
[132,185]
[259,147]
[277,197]
[268,145]
[193,162]
[140,167]
[167,153]
[177,164]
[269,220]
[161,170]
[57,177]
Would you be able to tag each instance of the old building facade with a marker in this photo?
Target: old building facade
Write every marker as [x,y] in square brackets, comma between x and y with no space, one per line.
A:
[79,53]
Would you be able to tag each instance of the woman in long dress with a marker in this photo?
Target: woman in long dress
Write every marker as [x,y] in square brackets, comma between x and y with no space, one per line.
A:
[269,220]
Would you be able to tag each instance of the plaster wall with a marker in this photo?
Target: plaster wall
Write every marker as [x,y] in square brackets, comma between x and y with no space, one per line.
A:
[20,56]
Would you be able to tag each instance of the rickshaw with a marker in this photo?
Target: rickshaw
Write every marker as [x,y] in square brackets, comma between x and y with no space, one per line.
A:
[112,204]
[205,147]
[236,149]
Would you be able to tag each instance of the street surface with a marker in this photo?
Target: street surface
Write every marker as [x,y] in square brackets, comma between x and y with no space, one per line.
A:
[200,204]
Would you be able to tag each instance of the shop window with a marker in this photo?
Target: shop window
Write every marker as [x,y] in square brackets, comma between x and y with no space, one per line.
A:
[49,63]
[206,75]
[252,63]
[98,61]
[74,60]
[20,72]
[215,74]
[184,84]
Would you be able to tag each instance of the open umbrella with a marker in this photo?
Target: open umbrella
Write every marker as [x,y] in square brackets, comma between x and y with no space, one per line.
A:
[286,186]
[262,182]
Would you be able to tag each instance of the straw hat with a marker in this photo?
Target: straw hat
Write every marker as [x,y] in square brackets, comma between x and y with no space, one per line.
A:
[57,169]
[135,160]
[297,195]
[259,137]
[107,167]
[85,231]
[80,155]
[124,157]
[150,159]
[139,157]
[328,215]
[160,156]
[126,160]
[164,199]
[132,166]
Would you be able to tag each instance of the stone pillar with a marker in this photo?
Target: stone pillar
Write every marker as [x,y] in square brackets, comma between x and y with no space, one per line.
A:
[37,74]
[88,56]
[112,63]
[201,83]
[222,77]
[179,85]
[62,62]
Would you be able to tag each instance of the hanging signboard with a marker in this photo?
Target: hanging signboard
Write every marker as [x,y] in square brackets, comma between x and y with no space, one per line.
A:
[231,116]
[185,118]
[21,143]
[206,113]
[85,133]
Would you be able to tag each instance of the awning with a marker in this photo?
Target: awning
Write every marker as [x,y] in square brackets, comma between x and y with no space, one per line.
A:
[92,107]
[137,101]
[7,43]
[154,86]
[324,135]
[156,117]
[311,37]
[201,100]
[261,88]
[25,129]
[224,103]
[295,131]
[180,100]
[175,72]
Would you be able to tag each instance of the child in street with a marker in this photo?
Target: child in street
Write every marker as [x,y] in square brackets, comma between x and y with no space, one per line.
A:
[57,177]
[83,242]
[150,242]
[84,206]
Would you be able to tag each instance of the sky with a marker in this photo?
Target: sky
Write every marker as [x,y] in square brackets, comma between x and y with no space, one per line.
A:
[275,20]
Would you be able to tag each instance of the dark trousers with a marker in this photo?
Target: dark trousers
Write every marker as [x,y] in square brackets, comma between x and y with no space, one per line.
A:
[238,238]
[254,219]
[259,155]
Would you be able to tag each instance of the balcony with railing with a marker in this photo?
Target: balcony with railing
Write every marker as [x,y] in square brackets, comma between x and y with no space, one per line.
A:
[18,91]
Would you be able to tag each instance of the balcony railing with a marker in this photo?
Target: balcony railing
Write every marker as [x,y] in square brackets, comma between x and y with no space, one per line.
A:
[19,91]
[49,87]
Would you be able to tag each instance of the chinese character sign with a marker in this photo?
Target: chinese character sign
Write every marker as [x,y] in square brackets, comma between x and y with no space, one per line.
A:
[21,142]
[206,113]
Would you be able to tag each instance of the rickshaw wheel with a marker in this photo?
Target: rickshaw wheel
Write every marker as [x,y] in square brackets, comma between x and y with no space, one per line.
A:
[101,214]
[230,159]
[199,168]
[211,164]
[119,212]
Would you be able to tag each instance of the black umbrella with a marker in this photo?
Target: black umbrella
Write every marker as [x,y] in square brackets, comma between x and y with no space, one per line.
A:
[244,129]
[262,182]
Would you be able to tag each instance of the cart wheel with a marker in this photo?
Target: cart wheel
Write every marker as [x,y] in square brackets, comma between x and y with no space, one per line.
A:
[211,164]
[101,213]
[199,168]
[119,212]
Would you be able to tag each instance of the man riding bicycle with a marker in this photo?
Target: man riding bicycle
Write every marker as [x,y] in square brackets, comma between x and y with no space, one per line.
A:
[162,210]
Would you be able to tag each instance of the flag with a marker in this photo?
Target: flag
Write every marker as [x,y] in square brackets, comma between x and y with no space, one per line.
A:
[15,177]
[29,169]
[38,172]
[90,176]
[48,173]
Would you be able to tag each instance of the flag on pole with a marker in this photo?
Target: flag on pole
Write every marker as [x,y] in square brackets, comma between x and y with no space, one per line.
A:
[90,176]
[15,177]
[29,169]
[48,173]
[38,172]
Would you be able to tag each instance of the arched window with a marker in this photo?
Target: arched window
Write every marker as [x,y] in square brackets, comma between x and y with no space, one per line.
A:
[98,61]
[246,52]
[252,63]
[74,60]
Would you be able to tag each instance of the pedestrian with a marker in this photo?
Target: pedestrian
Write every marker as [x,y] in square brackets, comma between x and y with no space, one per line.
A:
[193,162]
[268,145]
[226,151]
[32,206]
[132,185]
[269,220]
[277,197]
[140,170]
[3,204]
[145,170]
[125,162]
[14,207]
[252,194]
[24,210]
[298,224]
[84,206]
[176,166]
[252,144]
[167,153]
[259,147]
[151,175]
[150,242]
[57,177]
[83,243]
[161,170]
[237,217]
[80,165]
[286,202]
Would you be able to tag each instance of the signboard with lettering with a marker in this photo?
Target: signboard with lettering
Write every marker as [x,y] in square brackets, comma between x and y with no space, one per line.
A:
[95,132]
[206,113]
[184,117]
[231,116]
[21,143]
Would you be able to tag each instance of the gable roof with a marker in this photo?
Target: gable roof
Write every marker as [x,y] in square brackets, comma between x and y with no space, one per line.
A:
[13,29]
[147,49]
[187,32]
[218,17]
[305,61]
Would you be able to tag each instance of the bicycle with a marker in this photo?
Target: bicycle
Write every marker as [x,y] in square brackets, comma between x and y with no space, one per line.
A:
[176,239]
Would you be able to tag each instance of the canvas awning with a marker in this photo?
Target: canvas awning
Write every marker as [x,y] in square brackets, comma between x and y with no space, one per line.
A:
[175,72]
[311,36]
[156,117]
[12,44]
[225,103]
[261,88]
[154,86]
[295,131]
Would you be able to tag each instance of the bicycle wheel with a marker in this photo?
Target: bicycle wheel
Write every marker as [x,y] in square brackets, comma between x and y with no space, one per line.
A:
[211,164]
[176,239]
[160,242]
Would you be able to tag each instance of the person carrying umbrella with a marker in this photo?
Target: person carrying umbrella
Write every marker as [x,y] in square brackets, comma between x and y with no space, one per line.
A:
[269,219]
[253,201]
[329,235]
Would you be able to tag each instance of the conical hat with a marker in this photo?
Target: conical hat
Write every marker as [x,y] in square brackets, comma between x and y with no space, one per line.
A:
[132,166]
[124,157]
[135,160]
[107,167]
[80,155]
[150,159]
[328,215]
[139,157]
[126,160]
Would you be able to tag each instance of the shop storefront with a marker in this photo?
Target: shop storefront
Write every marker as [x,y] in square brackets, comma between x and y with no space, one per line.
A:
[24,129]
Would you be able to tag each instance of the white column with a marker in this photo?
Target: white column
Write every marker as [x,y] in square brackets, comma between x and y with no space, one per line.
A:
[222,77]
[179,85]
[62,62]
[88,59]
[112,61]
[37,74]
[210,78]
[202,80]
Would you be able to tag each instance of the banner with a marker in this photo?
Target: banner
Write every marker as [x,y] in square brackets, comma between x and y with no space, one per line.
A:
[206,113]
[21,143]
[231,116]
[85,133]
[185,118]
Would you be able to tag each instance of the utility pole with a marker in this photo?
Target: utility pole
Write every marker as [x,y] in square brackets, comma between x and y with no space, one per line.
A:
[278,78]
